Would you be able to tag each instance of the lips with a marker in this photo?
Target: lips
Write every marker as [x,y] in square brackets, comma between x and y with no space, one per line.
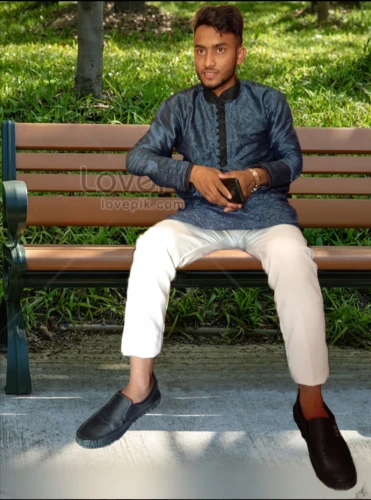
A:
[209,74]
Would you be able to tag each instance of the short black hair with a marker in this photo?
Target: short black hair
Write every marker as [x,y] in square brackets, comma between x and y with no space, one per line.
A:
[223,18]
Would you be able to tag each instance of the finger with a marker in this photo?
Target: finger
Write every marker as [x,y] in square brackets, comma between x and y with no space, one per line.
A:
[218,199]
[221,201]
[232,207]
[220,194]
[223,190]
[235,206]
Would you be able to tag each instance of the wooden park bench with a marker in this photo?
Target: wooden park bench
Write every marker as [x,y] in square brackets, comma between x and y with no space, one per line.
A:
[56,174]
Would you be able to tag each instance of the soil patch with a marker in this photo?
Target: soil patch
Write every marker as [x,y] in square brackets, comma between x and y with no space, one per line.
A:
[150,19]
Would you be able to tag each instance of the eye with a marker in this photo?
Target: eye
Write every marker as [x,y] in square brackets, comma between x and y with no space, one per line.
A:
[220,50]
[200,51]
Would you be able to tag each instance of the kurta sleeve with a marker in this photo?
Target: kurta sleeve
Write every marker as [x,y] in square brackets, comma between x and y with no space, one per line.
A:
[288,161]
[151,155]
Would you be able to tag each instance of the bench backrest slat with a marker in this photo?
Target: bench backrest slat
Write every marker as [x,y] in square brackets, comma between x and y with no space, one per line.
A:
[78,137]
[331,186]
[115,183]
[337,164]
[112,211]
[334,140]
[92,183]
[97,137]
[71,162]
[74,162]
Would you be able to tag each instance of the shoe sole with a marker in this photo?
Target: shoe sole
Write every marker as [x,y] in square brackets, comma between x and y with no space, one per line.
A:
[335,486]
[114,436]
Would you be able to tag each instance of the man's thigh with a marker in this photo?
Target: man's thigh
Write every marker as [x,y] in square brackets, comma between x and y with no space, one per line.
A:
[182,241]
[279,240]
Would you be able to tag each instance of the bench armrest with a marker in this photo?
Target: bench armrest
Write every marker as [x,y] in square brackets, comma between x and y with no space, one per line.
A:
[15,202]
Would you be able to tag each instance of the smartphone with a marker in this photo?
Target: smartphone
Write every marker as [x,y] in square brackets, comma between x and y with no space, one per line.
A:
[234,187]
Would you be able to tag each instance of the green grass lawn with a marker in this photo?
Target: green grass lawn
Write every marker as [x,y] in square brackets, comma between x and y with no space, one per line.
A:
[324,71]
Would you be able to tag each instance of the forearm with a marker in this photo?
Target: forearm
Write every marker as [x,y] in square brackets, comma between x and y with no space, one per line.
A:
[162,170]
[193,172]
[278,173]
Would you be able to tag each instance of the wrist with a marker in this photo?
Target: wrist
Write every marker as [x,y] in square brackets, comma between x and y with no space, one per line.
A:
[256,179]
[263,176]
[187,180]
[193,173]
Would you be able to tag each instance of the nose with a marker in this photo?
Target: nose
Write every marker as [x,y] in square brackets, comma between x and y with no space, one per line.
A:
[210,60]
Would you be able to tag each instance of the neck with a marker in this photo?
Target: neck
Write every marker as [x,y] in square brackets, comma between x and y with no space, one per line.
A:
[222,89]
[228,94]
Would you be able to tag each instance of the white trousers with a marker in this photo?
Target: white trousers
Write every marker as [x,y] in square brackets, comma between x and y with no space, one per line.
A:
[286,259]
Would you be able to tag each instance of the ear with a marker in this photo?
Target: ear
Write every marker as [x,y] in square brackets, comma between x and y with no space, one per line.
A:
[241,54]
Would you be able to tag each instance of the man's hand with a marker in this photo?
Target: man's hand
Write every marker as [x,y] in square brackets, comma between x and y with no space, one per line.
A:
[207,181]
[247,182]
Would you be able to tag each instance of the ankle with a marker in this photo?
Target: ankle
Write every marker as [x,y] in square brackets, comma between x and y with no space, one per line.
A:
[137,391]
[312,408]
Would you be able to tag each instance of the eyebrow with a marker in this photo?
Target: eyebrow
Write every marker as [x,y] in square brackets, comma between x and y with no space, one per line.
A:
[221,44]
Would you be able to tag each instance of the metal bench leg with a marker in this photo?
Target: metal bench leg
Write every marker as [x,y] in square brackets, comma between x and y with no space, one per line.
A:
[18,378]
[3,326]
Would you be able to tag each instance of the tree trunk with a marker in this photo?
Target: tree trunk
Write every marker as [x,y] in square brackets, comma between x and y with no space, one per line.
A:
[88,78]
[128,6]
[323,8]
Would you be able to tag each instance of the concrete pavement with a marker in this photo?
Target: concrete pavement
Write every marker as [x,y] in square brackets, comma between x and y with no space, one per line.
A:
[224,428]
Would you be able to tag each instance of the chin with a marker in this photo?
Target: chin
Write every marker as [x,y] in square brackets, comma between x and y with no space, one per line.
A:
[211,85]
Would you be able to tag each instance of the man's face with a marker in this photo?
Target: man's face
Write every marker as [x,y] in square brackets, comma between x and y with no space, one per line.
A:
[216,57]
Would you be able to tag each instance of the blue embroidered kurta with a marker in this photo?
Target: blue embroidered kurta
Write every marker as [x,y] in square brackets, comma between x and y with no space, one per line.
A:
[248,125]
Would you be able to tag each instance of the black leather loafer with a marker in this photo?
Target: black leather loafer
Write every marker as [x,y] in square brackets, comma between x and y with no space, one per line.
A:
[112,421]
[328,451]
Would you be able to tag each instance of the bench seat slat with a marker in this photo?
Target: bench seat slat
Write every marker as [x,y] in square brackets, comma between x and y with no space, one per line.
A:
[96,211]
[74,162]
[133,184]
[120,257]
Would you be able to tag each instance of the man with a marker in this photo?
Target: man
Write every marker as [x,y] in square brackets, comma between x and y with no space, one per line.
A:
[226,128]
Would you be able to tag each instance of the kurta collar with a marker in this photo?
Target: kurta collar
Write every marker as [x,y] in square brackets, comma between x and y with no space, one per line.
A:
[228,95]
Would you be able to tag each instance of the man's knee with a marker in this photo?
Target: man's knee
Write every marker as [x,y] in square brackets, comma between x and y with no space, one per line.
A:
[157,238]
[159,241]
[289,250]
